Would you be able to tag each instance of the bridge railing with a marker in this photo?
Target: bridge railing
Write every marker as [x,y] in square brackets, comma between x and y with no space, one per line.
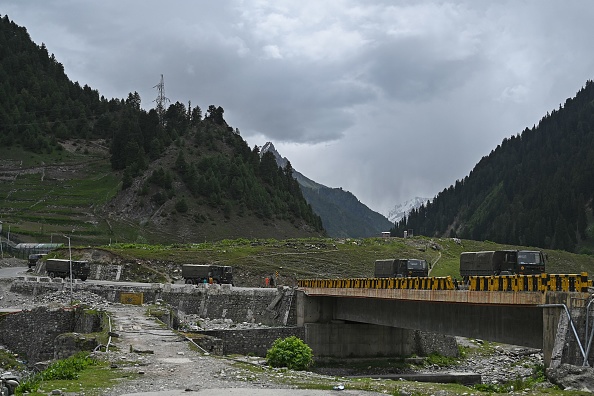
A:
[511,283]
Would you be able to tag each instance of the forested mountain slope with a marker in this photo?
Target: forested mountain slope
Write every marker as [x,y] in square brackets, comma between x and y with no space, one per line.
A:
[100,170]
[534,189]
[342,214]
[38,103]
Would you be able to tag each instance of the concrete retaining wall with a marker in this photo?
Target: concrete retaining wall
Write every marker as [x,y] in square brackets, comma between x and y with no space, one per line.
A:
[273,307]
[251,342]
[32,334]
[269,306]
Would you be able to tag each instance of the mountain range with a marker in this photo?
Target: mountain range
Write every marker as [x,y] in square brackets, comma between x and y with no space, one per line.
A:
[75,163]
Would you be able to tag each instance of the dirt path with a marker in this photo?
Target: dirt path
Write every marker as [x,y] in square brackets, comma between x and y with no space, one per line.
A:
[166,363]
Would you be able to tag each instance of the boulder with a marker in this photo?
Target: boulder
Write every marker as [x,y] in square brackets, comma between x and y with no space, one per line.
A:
[570,377]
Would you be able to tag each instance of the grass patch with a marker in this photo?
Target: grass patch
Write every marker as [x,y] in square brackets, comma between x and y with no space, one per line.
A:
[435,359]
[80,374]
[303,258]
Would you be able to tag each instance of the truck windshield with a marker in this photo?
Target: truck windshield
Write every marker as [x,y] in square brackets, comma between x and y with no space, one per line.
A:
[416,264]
[528,257]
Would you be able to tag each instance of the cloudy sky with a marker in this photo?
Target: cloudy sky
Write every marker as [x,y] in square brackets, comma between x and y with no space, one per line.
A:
[386,99]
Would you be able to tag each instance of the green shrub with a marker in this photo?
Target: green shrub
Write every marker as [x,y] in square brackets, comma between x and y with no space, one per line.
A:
[290,352]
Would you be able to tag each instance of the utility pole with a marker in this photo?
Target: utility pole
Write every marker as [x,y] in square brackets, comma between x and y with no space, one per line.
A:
[70,260]
[161,100]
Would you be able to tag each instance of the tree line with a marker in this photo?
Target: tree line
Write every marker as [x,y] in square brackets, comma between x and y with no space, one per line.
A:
[534,189]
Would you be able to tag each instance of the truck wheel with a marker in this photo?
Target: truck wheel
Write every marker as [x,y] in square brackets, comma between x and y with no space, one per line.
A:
[51,275]
[189,281]
[83,278]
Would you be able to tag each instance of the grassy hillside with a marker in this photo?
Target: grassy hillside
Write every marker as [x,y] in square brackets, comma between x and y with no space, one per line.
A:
[75,192]
[311,258]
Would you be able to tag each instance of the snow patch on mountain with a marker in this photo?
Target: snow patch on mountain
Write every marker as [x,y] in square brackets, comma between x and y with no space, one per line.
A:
[400,210]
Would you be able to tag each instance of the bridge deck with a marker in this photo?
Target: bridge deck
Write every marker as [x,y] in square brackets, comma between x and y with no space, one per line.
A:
[450,296]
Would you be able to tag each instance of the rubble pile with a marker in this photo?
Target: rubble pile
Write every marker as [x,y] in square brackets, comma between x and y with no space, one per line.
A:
[197,323]
[506,363]
[66,298]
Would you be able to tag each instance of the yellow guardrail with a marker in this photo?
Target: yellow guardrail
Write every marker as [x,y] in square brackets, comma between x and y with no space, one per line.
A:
[420,283]
[542,283]
[514,283]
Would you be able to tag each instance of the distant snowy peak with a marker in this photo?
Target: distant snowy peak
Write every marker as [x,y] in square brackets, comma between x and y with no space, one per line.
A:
[401,210]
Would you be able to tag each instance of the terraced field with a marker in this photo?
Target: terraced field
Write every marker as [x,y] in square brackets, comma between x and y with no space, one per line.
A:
[47,196]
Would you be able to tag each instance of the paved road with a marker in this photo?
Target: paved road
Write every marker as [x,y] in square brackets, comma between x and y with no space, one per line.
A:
[13,272]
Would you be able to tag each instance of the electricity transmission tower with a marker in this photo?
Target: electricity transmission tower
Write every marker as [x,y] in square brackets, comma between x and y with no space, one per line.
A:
[161,100]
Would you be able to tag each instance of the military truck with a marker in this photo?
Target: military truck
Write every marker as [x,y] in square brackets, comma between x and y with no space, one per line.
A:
[34,258]
[61,268]
[502,262]
[196,273]
[399,268]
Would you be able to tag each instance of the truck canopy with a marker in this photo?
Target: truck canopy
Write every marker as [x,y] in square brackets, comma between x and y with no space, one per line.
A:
[198,273]
[400,267]
[501,262]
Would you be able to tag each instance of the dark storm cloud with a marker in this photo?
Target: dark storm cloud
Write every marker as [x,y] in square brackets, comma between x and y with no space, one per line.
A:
[387,99]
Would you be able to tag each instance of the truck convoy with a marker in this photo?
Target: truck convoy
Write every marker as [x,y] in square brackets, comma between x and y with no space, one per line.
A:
[399,268]
[501,262]
[195,274]
[61,268]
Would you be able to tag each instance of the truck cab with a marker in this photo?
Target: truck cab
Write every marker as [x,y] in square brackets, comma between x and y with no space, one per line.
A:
[34,258]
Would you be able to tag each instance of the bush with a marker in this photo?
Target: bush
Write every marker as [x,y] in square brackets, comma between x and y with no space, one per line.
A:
[181,206]
[290,352]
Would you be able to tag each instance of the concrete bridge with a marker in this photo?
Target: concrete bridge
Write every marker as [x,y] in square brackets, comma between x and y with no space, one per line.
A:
[344,322]
[368,322]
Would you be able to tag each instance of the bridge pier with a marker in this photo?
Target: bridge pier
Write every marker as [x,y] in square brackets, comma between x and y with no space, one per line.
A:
[338,339]
[565,341]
